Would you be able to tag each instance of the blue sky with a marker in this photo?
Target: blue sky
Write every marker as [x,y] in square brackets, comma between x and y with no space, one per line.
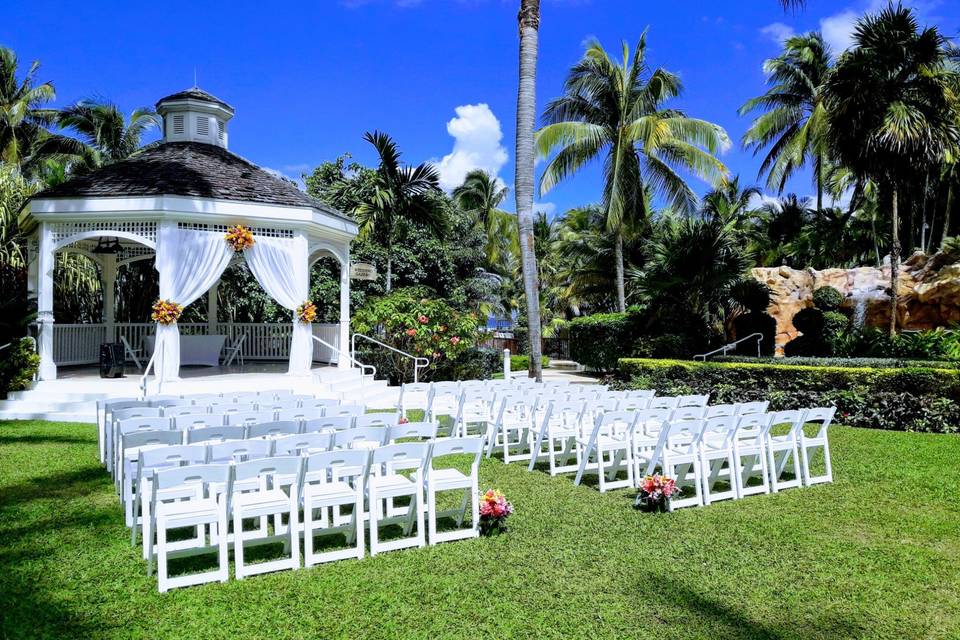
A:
[308,78]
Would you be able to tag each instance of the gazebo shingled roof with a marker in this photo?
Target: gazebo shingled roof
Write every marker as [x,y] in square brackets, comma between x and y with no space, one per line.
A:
[194,93]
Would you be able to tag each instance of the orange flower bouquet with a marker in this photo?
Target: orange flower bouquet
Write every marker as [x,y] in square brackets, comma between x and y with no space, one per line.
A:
[166,312]
[307,312]
[240,237]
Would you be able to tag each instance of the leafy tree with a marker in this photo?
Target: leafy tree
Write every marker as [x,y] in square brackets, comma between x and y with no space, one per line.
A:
[615,112]
[105,135]
[890,109]
[481,195]
[23,116]
[528,21]
[794,125]
[400,197]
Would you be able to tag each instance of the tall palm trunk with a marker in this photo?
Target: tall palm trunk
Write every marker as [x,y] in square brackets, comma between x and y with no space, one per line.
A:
[389,272]
[819,170]
[529,23]
[894,265]
[618,258]
[946,213]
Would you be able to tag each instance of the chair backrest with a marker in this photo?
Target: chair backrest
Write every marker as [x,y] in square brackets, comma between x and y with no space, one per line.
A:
[646,394]
[565,413]
[215,434]
[338,464]
[174,410]
[823,416]
[164,401]
[687,413]
[237,450]
[617,395]
[131,425]
[749,408]
[298,414]
[319,404]
[721,410]
[476,405]
[415,395]
[203,399]
[234,407]
[418,430]
[345,410]
[146,438]
[241,397]
[684,436]
[694,401]
[458,446]
[444,398]
[136,412]
[328,423]
[174,455]
[513,409]
[204,474]
[600,407]
[633,404]
[301,443]
[267,429]
[616,423]
[198,420]
[664,402]
[122,403]
[362,437]
[401,456]
[791,421]
[720,431]
[288,467]
[652,420]
[250,417]
[280,404]
[386,419]
[269,395]
[752,428]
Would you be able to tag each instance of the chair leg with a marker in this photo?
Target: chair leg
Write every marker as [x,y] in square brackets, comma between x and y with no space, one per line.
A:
[432,513]
[237,543]
[161,555]
[223,544]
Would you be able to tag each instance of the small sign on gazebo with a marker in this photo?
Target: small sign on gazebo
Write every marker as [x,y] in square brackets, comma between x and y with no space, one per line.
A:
[363,271]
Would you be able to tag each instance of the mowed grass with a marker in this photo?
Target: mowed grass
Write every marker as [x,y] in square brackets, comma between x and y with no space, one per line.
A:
[874,555]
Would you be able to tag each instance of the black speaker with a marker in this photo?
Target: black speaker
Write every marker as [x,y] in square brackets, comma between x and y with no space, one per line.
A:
[112,358]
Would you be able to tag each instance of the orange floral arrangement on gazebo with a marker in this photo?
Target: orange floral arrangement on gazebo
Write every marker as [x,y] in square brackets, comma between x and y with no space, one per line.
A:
[307,312]
[166,312]
[240,237]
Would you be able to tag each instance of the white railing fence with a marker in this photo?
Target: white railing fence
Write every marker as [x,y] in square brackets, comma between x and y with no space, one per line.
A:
[75,344]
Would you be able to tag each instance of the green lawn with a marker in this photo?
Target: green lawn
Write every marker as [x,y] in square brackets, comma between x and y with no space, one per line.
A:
[875,555]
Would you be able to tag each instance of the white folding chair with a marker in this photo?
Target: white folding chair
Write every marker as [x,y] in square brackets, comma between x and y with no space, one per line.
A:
[680,460]
[750,408]
[214,434]
[131,353]
[360,437]
[783,449]
[633,404]
[302,443]
[475,413]
[238,451]
[608,448]
[269,498]
[559,427]
[687,413]
[717,450]
[128,442]
[386,419]
[397,470]
[444,400]
[721,411]
[333,480]
[116,415]
[451,479]
[234,351]
[511,430]
[198,420]
[412,431]
[272,429]
[664,402]
[328,423]
[750,453]
[414,396]
[181,498]
[105,409]
[693,401]
[133,423]
[822,417]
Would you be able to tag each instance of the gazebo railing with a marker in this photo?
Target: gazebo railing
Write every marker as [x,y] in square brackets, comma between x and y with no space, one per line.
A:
[76,344]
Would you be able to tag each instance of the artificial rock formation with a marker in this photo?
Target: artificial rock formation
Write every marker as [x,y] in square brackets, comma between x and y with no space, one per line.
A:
[928,296]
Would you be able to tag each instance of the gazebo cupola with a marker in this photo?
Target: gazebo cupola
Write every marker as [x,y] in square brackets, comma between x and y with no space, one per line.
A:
[195,116]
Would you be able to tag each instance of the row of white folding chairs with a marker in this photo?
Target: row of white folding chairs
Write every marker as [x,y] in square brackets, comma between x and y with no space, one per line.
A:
[222,414]
[701,451]
[134,433]
[206,497]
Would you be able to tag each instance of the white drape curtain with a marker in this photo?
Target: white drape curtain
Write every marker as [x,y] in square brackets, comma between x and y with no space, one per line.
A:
[189,262]
[281,267]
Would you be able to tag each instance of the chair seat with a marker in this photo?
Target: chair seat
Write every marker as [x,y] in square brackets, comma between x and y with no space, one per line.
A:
[442,479]
[187,512]
[322,492]
[392,484]
[781,440]
[261,502]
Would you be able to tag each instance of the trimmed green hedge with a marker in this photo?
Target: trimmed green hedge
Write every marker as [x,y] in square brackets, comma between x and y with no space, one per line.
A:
[522,363]
[880,363]
[900,399]
[599,340]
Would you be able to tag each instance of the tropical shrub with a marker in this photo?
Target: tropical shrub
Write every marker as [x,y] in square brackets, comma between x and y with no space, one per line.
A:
[411,321]
[522,362]
[754,296]
[827,299]
[904,399]
[598,341]
[880,363]
[809,322]
[472,364]
[18,365]
[935,344]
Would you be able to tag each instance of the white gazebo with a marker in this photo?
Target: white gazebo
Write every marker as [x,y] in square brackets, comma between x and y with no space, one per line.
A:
[173,203]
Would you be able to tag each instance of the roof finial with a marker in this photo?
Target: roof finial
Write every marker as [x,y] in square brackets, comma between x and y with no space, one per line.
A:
[195,86]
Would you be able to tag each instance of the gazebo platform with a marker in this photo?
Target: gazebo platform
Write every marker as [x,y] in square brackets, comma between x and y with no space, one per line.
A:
[72,397]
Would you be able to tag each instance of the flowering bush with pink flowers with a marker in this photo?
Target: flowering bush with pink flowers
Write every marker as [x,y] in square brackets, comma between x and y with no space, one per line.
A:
[494,511]
[655,492]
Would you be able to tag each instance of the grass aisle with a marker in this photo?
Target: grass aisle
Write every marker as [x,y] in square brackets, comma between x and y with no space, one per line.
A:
[875,555]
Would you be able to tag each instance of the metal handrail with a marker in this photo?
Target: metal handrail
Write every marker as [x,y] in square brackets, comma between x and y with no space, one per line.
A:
[704,356]
[146,372]
[350,358]
[416,359]
[4,346]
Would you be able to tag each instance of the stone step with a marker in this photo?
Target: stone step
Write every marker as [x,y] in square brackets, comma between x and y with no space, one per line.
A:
[566,365]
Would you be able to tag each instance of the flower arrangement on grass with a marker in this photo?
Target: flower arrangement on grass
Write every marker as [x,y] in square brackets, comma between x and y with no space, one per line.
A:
[655,493]
[307,312]
[494,511]
[166,312]
[240,237]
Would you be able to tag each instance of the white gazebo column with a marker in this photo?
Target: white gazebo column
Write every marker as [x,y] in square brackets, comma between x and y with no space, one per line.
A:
[46,257]
[108,281]
[212,309]
[344,361]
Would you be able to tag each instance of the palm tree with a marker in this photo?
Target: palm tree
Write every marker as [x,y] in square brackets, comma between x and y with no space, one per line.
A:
[615,112]
[401,196]
[23,118]
[481,195]
[528,21]
[890,110]
[730,205]
[779,224]
[794,125]
[107,136]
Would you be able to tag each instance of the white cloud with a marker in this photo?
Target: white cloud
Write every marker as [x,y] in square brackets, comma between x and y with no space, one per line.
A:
[778,32]
[838,29]
[476,145]
[548,208]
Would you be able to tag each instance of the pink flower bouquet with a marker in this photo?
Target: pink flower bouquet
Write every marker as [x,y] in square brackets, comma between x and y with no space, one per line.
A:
[655,493]
[494,510]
